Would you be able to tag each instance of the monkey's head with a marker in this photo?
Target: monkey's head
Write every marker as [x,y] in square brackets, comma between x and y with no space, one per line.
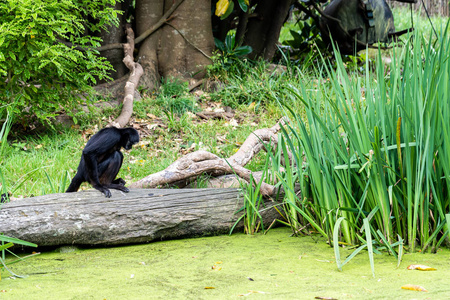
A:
[132,138]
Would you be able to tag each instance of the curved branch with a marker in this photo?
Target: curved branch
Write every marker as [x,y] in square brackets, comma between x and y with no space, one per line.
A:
[255,142]
[193,165]
[110,47]
[197,163]
[136,71]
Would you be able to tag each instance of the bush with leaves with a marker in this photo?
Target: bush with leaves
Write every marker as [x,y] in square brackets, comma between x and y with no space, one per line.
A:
[47,54]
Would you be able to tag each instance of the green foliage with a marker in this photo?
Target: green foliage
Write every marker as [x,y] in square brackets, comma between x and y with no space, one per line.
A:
[174,96]
[256,83]
[6,127]
[46,58]
[253,204]
[10,241]
[306,39]
[402,20]
[376,152]
[230,56]
[39,166]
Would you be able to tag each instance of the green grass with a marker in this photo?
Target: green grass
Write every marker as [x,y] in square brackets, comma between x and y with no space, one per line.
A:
[402,20]
[354,157]
[44,163]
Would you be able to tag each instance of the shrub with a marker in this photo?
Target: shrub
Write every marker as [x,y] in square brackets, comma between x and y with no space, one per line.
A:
[46,59]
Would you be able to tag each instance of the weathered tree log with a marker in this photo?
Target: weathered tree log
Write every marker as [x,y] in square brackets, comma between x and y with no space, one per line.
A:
[142,215]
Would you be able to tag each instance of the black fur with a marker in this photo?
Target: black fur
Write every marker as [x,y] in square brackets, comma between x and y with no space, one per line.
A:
[101,160]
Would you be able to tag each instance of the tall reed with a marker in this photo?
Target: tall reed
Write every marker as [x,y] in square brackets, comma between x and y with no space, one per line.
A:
[377,147]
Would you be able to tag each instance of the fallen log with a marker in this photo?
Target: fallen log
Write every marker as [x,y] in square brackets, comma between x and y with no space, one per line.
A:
[142,215]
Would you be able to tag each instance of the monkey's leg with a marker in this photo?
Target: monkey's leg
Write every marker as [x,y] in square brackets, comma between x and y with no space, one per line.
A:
[109,169]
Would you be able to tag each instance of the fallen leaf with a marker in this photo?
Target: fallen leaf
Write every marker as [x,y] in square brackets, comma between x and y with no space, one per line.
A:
[325,298]
[324,260]
[414,287]
[209,288]
[214,267]
[420,268]
[251,292]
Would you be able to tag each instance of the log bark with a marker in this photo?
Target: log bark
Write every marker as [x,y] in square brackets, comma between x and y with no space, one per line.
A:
[142,215]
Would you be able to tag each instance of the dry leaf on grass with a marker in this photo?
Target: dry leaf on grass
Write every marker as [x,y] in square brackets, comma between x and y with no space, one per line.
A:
[251,292]
[420,268]
[414,287]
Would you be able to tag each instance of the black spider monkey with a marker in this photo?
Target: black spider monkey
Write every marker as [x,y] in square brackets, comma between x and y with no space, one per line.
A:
[101,160]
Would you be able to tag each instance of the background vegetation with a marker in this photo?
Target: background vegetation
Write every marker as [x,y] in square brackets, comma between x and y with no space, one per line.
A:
[370,141]
[37,61]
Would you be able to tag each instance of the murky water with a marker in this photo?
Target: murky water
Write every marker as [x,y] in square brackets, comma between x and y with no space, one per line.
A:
[272,266]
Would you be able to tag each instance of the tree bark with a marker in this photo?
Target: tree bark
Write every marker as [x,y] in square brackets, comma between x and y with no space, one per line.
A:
[177,50]
[114,35]
[148,13]
[263,30]
[142,215]
[183,42]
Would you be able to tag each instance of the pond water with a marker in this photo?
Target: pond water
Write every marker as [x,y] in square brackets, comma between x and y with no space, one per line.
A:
[271,266]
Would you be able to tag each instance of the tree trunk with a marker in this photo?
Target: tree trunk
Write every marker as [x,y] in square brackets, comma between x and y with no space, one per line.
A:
[148,13]
[142,215]
[114,35]
[263,30]
[181,47]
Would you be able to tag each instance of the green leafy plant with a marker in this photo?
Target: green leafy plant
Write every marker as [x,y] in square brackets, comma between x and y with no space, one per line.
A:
[230,55]
[46,59]
[6,127]
[5,198]
[57,187]
[374,151]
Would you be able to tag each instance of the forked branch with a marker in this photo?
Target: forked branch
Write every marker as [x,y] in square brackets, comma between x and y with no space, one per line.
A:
[187,168]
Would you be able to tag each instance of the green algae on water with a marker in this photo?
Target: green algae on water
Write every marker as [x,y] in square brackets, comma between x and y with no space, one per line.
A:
[271,266]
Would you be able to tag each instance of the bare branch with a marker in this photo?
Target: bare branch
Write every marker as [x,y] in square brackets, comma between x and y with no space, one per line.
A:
[136,71]
[200,162]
